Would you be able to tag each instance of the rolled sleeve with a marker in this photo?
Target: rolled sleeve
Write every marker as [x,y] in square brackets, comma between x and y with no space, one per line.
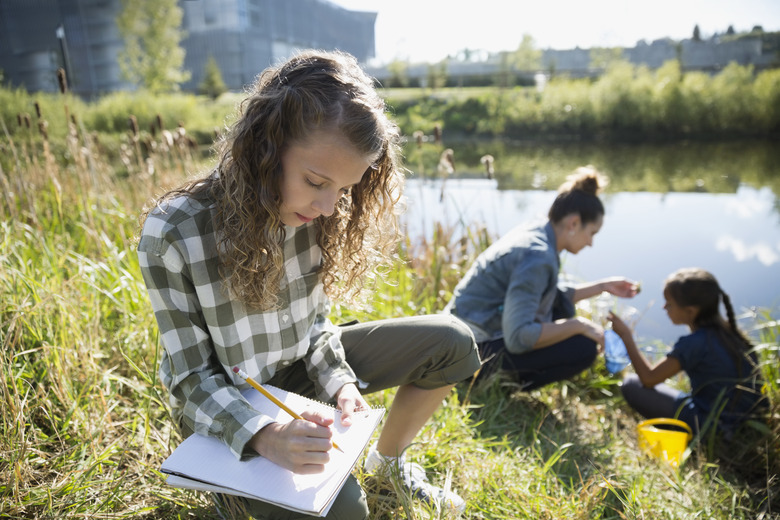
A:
[523,303]
[327,365]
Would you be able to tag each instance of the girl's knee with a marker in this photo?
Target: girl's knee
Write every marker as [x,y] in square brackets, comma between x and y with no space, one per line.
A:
[461,335]
[351,504]
[630,386]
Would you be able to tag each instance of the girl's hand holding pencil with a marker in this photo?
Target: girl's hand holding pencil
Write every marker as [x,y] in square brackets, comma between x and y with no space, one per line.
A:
[300,445]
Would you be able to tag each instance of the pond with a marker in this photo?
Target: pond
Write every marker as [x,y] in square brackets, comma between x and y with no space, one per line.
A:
[646,235]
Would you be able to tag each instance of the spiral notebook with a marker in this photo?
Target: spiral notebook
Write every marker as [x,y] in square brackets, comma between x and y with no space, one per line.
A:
[207,464]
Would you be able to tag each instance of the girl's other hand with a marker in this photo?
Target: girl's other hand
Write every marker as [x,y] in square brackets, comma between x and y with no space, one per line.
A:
[349,401]
[619,326]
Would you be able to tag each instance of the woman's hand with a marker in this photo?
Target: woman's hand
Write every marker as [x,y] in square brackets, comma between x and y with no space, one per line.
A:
[300,446]
[349,400]
[591,330]
[621,287]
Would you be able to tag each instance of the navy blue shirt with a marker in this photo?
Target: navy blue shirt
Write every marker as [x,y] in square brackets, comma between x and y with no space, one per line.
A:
[712,371]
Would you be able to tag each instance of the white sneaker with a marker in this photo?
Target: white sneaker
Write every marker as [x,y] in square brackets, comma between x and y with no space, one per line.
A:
[414,481]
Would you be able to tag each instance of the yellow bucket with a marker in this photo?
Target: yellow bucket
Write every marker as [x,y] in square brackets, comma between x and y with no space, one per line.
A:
[668,442]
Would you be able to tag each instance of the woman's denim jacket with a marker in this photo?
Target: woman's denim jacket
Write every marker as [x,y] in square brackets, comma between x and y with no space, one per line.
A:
[512,288]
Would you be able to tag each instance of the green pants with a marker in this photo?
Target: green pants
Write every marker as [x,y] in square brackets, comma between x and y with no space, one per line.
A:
[426,351]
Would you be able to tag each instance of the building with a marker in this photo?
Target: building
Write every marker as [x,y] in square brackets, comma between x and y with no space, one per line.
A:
[39,36]
[759,50]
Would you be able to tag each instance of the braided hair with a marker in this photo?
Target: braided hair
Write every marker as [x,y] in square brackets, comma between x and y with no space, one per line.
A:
[696,287]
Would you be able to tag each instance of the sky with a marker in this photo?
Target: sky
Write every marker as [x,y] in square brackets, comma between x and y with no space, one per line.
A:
[430,30]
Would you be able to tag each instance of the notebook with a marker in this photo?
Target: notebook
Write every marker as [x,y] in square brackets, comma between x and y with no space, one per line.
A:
[207,464]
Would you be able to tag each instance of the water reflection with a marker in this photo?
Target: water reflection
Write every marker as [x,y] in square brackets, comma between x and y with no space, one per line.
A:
[645,236]
[657,167]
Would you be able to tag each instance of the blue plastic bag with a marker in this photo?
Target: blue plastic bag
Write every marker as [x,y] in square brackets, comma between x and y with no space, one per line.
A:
[615,353]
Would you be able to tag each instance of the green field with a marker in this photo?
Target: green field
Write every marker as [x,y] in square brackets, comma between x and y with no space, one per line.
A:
[85,426]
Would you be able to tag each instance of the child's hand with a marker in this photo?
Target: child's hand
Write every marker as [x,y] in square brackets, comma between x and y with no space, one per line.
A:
[349,401]
[300,445]
[619,326]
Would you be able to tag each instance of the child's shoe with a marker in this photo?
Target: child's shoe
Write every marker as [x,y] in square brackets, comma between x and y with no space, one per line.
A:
[414,481]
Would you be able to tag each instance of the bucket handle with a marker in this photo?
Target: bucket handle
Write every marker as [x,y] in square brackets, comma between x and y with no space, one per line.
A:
[668,422]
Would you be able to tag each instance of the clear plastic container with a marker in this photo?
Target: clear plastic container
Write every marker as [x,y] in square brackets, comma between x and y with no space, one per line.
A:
[615,353]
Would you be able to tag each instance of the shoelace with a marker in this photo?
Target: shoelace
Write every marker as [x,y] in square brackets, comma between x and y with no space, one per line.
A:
[416,480]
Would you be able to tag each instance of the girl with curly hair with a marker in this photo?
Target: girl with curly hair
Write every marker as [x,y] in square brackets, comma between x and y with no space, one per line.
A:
[241,267]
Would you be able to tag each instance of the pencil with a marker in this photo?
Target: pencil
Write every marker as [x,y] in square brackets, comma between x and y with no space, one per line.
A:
[273,398]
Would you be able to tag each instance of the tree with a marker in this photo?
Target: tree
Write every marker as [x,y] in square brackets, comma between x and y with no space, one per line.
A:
[212,85]
[152,57]
[604,57]
[437,75]
[527,57]
[696,34]
[399,75]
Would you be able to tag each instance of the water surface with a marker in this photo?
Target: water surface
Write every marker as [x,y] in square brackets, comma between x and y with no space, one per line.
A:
[645,236]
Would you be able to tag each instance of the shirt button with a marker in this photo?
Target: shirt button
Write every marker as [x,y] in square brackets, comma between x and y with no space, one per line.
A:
[285,363]
[285,318]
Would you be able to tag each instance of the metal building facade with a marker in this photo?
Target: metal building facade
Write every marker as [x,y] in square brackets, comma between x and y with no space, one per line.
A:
[244,36]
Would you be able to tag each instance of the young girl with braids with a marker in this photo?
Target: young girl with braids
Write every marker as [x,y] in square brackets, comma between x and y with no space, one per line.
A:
[522,317]
[242,264]
[716,356]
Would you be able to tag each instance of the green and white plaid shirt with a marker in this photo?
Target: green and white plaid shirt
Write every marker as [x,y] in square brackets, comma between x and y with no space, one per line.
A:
[206,333]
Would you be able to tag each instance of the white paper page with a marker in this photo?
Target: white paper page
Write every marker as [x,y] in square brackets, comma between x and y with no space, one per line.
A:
[209,460]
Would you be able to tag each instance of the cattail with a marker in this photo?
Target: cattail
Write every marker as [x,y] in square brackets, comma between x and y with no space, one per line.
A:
[419,135]
[134,126]
[158,120]
[447,162]
[62,79]
[38,109]
[27,121]
[487,160]
[19,120]
[43,129]
[153,130]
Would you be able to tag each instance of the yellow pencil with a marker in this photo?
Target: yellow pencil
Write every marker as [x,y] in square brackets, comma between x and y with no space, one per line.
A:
[273,398]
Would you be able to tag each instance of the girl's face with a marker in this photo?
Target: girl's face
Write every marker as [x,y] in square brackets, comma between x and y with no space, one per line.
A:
[678,314]
[316,173]
[578,236]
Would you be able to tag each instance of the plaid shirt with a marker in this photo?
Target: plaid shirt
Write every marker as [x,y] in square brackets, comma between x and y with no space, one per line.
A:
[206,333]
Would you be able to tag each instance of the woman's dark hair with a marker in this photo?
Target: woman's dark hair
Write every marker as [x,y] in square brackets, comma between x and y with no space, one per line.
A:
[580,195]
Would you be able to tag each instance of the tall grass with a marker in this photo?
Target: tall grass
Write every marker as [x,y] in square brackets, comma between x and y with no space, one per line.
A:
[85,427]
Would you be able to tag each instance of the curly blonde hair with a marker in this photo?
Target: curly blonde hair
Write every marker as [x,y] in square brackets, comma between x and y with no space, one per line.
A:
[314,90]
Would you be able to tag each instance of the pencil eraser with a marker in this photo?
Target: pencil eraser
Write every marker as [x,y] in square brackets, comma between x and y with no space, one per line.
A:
[235,369]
